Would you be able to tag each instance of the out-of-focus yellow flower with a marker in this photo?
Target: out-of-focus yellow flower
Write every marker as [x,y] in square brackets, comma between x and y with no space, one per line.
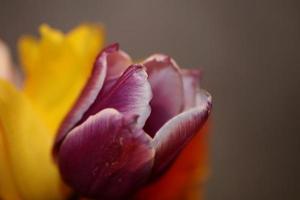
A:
[26,168]
[56,67]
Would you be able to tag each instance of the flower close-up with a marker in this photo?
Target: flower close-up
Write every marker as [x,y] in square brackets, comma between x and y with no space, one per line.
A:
[81,121]
[149,100]
[55,68]
[129,125]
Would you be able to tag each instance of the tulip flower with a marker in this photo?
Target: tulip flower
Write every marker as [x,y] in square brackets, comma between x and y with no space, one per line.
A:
[129,125]
[56,67]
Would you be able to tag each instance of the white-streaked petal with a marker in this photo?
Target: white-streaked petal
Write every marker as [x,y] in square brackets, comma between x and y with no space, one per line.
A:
[107,156]
[178,131]
[167,87]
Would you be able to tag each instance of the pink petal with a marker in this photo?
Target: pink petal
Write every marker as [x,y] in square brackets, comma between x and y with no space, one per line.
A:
[177,132]
[6,66]
[167,88]
[190,80]
[130,94]
[106,157]
[118,62]
[88,94]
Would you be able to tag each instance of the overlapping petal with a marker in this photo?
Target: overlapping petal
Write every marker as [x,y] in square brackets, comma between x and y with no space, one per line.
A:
[130,94]
[107,156]
[173,136]
[88,94]
[167,88]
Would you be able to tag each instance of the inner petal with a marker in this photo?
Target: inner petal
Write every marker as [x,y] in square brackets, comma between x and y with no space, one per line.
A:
[117,63]
[130,94]
[167,87]
[88,94]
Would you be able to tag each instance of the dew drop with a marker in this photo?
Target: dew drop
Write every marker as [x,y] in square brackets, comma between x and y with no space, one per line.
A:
[121,139]
[95,170]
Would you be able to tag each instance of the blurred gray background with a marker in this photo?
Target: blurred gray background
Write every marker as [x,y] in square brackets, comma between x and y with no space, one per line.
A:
[250,54]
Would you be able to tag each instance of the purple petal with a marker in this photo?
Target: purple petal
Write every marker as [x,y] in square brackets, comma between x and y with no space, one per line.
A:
[88,94]
[190,79]
[130,94]
[167,88]
[106,156]
[118,62]
[177,132]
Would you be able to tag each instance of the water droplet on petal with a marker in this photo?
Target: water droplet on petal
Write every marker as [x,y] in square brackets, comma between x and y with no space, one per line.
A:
[94,172]
[121,139]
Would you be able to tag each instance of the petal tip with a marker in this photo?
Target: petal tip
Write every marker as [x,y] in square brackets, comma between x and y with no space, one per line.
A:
[112,48]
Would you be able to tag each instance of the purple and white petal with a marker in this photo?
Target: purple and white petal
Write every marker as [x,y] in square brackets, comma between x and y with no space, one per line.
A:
[167,87]
[202,96]
[177,132]
[106,157]
[88,94]
[190,79]
[130,94]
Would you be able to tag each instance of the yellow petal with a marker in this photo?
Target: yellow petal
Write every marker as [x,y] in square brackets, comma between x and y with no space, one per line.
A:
[7,186]
[27,170]
[56,67]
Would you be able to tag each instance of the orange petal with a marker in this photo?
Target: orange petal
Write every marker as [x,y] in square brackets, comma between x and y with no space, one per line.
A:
[184,180]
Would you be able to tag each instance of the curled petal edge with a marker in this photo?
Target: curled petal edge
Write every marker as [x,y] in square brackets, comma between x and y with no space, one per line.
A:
[167,87]
[178,131]
[87,96]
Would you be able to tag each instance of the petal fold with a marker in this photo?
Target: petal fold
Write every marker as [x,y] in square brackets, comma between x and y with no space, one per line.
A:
[106,156]
[177,132]
[88,94]
[130,94]
[167,87]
